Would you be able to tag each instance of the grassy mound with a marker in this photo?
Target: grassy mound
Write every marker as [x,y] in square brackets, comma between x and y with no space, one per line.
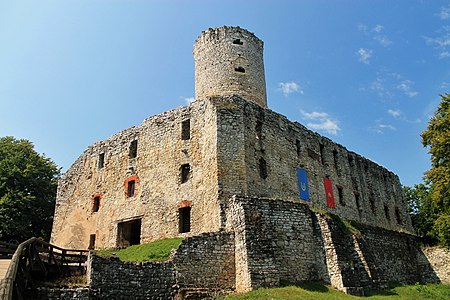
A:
[321,292]
[155,251]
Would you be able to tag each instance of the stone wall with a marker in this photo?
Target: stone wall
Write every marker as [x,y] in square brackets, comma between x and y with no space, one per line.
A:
[250,136]
[61,293]
[439,259]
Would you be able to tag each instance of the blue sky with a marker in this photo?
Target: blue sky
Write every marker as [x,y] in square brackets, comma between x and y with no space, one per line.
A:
[366,74]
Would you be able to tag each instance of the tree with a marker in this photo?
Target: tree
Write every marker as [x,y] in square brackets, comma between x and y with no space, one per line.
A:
[437,138]
[28,184]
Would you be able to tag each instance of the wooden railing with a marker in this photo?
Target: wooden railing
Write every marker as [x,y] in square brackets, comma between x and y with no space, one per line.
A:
[36,259]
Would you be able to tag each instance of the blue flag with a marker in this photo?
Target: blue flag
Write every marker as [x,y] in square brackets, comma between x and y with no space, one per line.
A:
[303,184]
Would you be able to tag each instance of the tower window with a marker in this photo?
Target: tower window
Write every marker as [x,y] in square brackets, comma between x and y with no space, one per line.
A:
[321,146]
[335,159]
[185,171]
[358,205]
[262,168]
[386,212]
[341,195]
[184,219]
[240,69]
[96,204]
[131,188]
[258,129]
[186,129]
[133,149]
[238,42]
[91,242]
[297,145]
[372,204]
[101,160]
[397,216]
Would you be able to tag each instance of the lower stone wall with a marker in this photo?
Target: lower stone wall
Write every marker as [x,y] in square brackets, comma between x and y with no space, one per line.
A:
[439,260]
[110,278]
[61,293]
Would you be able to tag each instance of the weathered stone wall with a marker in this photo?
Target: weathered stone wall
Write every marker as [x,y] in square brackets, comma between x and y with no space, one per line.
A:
[156,169]
[109,278]
[248,133]
[61,293]
[439,260]
[229,60]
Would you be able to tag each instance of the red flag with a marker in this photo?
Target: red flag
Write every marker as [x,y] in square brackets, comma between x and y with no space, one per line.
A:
[328,184]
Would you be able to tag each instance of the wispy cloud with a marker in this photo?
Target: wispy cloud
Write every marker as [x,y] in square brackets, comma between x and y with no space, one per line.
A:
[364,55]
[395,113]
[406,87]
[382,40]
[321,121]
[381,127]
[289,87]
[440,42]
[444,13]
[189,100]
[376,33]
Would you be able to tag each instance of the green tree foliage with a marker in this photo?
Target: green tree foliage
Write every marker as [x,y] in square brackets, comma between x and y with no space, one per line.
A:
[437,138]
[28,184]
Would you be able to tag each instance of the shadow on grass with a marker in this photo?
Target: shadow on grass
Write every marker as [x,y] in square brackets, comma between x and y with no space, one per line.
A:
[386,292]
[313,287]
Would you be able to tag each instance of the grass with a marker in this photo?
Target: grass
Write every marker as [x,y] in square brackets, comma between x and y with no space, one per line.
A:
[155,251]
[321,292]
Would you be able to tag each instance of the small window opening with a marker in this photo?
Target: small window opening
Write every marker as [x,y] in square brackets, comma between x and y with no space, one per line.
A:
[240,69]
[262,168]
[321,154]
[366,168]
[96,204]
[335,159]
[185,171]
[238,42]
[131,187]
[133,149]
[372,204]
[350,160]
[186,129]
[258,129]
[341,195]
[397,216]
[297,145]
[358,204]
[101,160]
[386,212]
[91,242]
[129,233]
[184,215]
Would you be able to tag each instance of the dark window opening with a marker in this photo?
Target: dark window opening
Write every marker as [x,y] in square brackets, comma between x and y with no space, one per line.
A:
[238,42]
[341,195]
[186,129]
[335,159]
[386,212]
[366,168]
[184,215]
[397,216]
[262,168]
[297,145]
[321,146]
[101,160]
[258,129]
[358,205]
[96,204]
[129,233]
[372,204]
[91,242]
[350,160]
[240,69]
[185,172]
[133,149]
[131,187]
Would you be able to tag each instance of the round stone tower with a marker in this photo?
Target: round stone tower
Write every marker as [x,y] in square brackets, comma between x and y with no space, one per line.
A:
[229,60]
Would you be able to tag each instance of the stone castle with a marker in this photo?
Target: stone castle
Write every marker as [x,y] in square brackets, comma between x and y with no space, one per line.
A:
[226,166]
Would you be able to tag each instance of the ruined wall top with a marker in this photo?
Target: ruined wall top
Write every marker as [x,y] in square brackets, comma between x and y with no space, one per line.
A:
[229,60]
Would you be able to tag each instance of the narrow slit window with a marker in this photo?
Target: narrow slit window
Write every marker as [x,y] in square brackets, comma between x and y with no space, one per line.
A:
[357,200]
[262,168]
[186,129]
[350,160]
[335,159]
[185,171]
[258,129]
[238,42]
[131,187]
[96,204]
[101,160]
[240,69]
[298,147]
[133,149]
[397,216]
[321,146]
[91,242]
[386,212]
[372,204]
[341,195]
[184,219]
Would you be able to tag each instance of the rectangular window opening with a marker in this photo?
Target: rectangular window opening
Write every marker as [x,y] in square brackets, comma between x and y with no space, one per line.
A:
[372,204]
[341,195]
[96,204]
[131,187]
[101,160]
[91,242]
[238,42]
[133,149]
[258,129]
[335,159]
[397,216]
[321,153]
[184,215]
[186,129]
[297,145]
[185,171]
[129,233]
[262,168]
[357,200]
[386,212]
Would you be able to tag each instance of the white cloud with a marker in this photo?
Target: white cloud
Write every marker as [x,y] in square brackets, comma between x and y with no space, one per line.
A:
[362,27]
[441,42]
[189,100]
[406,87]
[321,121]
[382,40]
[395,113]
[364,55]
[381,128]
[444,13]
[378,86]
[444,54]
[289,87]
